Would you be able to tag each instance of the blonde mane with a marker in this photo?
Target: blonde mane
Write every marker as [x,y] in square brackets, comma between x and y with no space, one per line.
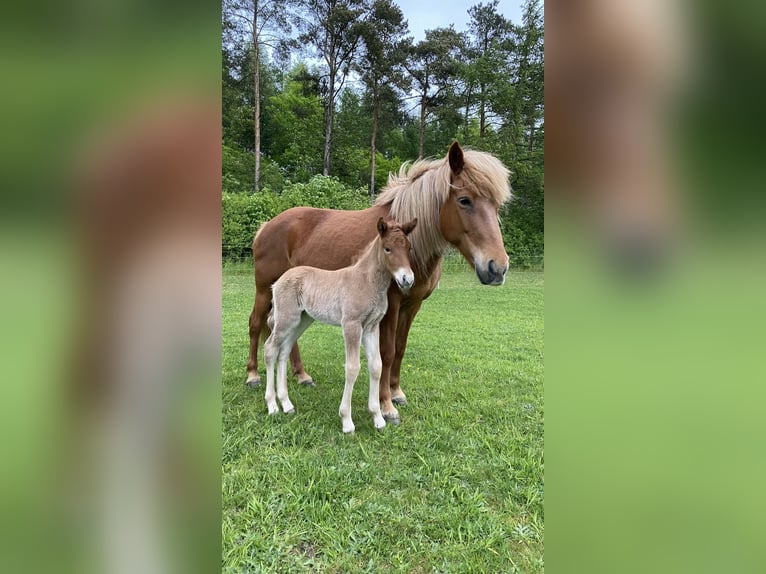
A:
[421,189]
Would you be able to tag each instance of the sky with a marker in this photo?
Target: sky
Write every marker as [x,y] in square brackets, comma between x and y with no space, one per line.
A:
[428,14]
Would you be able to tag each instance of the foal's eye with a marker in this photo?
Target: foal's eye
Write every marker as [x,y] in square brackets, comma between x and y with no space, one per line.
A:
[387,249]
[464,201]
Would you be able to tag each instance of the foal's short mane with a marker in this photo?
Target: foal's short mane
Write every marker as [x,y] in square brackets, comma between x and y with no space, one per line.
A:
[421,189]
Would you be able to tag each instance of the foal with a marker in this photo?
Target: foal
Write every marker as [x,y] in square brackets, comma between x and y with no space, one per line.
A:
[354,298]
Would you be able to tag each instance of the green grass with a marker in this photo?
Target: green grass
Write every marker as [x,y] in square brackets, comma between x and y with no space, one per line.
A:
[457,487]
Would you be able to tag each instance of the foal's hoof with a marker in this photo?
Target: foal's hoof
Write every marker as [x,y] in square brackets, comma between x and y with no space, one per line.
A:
[307,383]
[399,400]
[290,411]
[392,419]
[252,383]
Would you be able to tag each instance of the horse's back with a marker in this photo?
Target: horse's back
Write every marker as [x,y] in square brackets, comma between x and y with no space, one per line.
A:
[322,238]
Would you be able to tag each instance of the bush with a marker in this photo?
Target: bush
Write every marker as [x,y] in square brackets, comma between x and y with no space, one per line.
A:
[243,213]
[237,168]
[325,192]
[524,246]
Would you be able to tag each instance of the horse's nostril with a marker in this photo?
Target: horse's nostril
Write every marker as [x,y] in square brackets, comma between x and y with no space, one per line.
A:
[492,267]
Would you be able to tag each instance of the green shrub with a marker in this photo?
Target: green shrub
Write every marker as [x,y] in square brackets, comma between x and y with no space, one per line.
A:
[525,247]
[325,192]
[243,213]
[237,168]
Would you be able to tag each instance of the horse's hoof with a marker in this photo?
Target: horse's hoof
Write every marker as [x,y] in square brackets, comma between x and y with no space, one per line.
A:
[252,383]
[307,383]
[399,400]
[290,412]
[392,419]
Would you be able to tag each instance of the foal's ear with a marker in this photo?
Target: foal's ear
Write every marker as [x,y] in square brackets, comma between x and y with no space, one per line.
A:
[456,161]
[382,227]
[408,227]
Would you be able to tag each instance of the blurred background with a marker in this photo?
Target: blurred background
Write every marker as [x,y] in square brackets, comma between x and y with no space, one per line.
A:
[110,291]
[654,286]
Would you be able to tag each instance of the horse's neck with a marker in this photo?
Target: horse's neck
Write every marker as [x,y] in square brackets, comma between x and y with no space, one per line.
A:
[371,266]
[428,243]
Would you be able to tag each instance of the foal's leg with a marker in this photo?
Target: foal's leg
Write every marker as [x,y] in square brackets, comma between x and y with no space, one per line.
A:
[352,335]
[257,323]
[284,399]
[270,355]
[387,347]
[293,333]
[371,340]
[406,317]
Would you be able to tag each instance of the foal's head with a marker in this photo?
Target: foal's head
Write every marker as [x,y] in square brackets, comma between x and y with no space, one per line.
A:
[395,247]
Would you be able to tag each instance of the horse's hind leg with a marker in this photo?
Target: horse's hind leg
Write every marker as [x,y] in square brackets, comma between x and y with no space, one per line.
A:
[406,317]
[257,323]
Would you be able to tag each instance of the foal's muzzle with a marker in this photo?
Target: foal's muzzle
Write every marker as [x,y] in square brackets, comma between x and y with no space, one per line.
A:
[492,274]
[404,279]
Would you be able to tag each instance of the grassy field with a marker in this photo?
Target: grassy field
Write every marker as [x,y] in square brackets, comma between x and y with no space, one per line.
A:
[457,487]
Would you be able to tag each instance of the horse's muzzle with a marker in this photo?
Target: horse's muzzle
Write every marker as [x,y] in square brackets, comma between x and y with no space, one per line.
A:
[493,274]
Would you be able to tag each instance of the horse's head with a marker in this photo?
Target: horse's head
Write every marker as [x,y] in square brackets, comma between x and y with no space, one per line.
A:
[395,246]
[469,216]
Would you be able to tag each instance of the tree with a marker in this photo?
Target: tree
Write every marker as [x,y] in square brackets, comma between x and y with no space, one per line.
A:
[293,125]
[531,73]
[381,64]
[264,20]
[490,41]
[432,64]
[333,28]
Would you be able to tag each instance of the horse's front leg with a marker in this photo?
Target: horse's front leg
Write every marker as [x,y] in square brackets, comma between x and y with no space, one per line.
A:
[371,339]
[352,335]
[406,317]
[297,364]
[387,351]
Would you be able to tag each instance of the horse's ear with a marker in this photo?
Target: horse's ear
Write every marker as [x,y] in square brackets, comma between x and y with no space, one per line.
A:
[456,161]
[382,227]
[408,227]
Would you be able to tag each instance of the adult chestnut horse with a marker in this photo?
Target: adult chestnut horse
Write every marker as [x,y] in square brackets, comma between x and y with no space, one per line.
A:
[456,201]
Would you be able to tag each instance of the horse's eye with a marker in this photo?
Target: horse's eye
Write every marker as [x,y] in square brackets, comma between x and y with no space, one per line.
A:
[464,201]
[387,250]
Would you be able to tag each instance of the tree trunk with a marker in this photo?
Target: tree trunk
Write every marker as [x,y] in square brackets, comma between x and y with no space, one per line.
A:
[328,123]
[422,126]
[482,112]
[375,105]
[466,119]
[256,100]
